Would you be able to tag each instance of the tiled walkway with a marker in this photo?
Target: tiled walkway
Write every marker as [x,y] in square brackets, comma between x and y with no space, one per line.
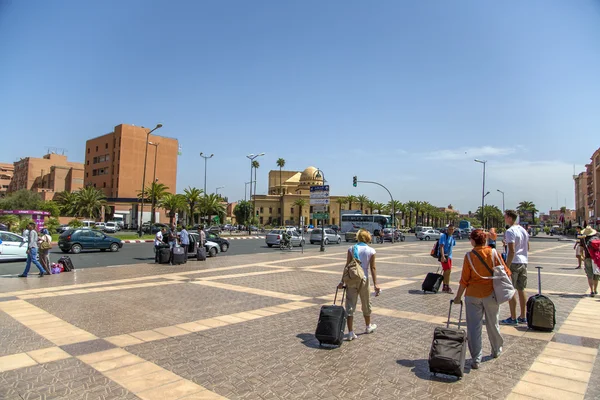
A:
[242,328]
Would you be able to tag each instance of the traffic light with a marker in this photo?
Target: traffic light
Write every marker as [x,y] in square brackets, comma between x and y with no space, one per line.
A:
[354,180]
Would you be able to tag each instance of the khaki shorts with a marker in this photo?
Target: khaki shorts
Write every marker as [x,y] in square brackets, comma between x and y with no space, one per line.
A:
[352,295]
[519,275]
[589,269]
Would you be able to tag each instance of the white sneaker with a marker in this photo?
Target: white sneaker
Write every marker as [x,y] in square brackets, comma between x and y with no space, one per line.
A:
[351,336]
[371,328]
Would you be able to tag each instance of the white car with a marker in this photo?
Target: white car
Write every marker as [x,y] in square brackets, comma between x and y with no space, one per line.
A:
[429,234]
[110,227]
[13,247]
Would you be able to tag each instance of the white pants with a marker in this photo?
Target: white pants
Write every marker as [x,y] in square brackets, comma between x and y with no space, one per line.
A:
[476,309]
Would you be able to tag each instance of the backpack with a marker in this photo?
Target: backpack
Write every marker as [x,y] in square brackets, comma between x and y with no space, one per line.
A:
[353,276]
[435,251]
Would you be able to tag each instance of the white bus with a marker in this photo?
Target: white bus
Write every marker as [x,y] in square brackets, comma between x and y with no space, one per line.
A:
[365,221]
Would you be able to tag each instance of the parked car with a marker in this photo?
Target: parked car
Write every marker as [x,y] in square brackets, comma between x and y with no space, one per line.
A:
[99,225]
[398,236]
[429,234]
[274,237]
[62,228]
[3,227]
[152,229]
[458,234]
[76,240]
[214,229]
[212,248]
[330,236]
[13,246]
[111,227]
[350,236]
[223,243]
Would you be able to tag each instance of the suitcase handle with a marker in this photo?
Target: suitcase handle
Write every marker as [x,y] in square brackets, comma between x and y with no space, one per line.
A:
[343,295]
[459,315]
[539,279]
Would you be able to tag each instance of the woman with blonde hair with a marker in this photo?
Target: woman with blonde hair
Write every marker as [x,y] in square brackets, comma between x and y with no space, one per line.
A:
[366,255]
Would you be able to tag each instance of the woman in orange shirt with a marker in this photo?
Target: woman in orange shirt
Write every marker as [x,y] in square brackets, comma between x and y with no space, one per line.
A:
[480,299]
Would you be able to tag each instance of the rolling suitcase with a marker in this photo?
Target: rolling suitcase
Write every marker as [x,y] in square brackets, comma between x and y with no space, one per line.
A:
[449,348]
[164,255]
[332,322]
[541,313]
[432,282]
[67,264]
[178,256]
[201,253]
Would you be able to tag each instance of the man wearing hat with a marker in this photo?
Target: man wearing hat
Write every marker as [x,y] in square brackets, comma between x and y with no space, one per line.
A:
[586,236]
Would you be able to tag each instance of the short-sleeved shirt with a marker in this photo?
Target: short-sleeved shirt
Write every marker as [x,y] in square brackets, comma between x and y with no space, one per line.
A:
[364,253]
[474,281]
[184,236]
[158,240]
[448,242]
[518,235]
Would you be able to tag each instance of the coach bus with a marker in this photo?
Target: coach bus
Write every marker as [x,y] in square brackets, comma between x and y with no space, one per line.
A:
[365,221]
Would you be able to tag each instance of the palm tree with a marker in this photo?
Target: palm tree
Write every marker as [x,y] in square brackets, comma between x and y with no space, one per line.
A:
[418,206]
[280,164]
[155,191]
[410,208]
[90,202]
[528,206]
[192,197]
[173,203]
[370,206]
[255,165]
[362,199]
[67,202]
[396,207]
[9,220]
[211,205]
[300,203]
[350,199]
[341,201]
[379,207]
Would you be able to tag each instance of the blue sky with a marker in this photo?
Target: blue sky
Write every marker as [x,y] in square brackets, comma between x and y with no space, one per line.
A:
[406,93]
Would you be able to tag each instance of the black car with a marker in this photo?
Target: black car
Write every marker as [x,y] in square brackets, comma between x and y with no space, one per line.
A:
[76,240]
[223,243]
[146,228]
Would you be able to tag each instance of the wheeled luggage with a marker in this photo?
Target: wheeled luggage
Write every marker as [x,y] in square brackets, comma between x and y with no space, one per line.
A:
[332,322]
[67,264]
[449,348]
[164,255]
[432,282]
[178,255]
[541,313]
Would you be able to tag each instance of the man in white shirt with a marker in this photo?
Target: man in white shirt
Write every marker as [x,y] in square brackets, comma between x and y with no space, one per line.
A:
[158,243]
[517,240]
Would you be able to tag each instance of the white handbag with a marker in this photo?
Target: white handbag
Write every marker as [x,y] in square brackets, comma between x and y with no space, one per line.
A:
[503,287]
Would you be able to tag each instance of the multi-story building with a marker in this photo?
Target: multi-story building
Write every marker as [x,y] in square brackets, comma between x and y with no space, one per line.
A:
[6,174]
[587,192]
[47,176]
[554,216]
[114,163]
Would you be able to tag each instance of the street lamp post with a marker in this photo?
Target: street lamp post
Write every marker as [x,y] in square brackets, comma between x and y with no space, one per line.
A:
[205,161]
[319,174]
[482,192]
[251,157]
[502,199]
[144,177]
[217,190]
[154,180]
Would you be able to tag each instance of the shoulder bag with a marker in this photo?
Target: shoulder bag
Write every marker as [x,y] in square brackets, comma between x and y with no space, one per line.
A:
[45,244]
[503,287]
[354,276]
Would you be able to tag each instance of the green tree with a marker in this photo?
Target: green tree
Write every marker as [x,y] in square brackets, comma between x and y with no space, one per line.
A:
[493,216]
[396,207]
[23,222]
[280,164]
[173,203]
[350,199]
[67,203]
[340,201]
[51,224]
[410,208]
[21,200]
[11,221]
[157,191]
[242,212]
[362,199]
[211,205]
[75,223]
[193,197]
[300,203]
[379,207]
[528,206]
[52,207]
[255,165]
[90,202]
[418,207]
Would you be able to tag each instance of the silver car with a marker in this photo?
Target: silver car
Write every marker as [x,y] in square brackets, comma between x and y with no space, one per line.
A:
[330,236]
[274,237]
[429,234]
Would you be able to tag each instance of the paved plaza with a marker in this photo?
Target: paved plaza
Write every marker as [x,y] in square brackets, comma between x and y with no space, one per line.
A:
[241,327]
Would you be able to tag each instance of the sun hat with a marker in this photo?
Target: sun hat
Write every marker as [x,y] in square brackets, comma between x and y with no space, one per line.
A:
[588,231]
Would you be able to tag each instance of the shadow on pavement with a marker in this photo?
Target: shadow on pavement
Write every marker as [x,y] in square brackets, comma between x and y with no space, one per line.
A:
[569,296]
[421,370]
[309,340]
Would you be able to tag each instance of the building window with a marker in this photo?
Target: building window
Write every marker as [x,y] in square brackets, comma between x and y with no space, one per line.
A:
[96,148]
[87,174]
[106,146]
[94,185]
[292,210]
[279,210]
[88,150]
[270,210]
[104,184]
[95,161]
[261,211]
[311,210]
[88,162]
[261,220]
[95,172]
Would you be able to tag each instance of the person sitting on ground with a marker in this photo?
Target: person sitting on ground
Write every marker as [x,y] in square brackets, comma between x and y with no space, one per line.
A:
[366,254]
[480,299]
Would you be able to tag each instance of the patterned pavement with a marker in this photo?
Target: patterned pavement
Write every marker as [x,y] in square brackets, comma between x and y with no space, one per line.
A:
[242,327]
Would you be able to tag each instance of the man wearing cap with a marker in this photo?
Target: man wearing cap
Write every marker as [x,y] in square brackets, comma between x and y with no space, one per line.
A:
[587,235]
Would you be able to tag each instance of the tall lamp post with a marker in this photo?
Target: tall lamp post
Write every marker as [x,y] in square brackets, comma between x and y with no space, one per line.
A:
[502,199]
[319,174]
[482,192]
[251,157]
[154,180]
[217,190]
[205,161]
[144,177]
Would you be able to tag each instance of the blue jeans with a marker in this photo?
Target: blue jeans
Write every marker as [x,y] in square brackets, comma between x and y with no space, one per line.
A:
[32,257]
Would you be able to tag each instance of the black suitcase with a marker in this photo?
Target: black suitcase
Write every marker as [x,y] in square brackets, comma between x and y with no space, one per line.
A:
[67,264]
[164,255]
[332,323]
[201,253]
[449,348]
[541,313]
[432,282]
[178,256]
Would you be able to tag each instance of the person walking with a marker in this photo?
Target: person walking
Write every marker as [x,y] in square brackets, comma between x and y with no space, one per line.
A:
[517,240]
[587,235]
[480,300]
[45,244]
[579,249]
[366,254]
[184,239]
[32,252]
[159,242]
[446,244]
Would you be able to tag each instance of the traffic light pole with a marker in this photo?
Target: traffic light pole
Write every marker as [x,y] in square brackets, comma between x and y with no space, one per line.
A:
[355,181]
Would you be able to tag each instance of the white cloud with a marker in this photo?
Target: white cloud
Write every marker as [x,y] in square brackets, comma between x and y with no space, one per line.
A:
[470,153]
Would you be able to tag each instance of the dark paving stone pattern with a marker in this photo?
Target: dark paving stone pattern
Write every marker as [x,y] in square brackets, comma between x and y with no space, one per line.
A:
[92,346]
[17,338]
